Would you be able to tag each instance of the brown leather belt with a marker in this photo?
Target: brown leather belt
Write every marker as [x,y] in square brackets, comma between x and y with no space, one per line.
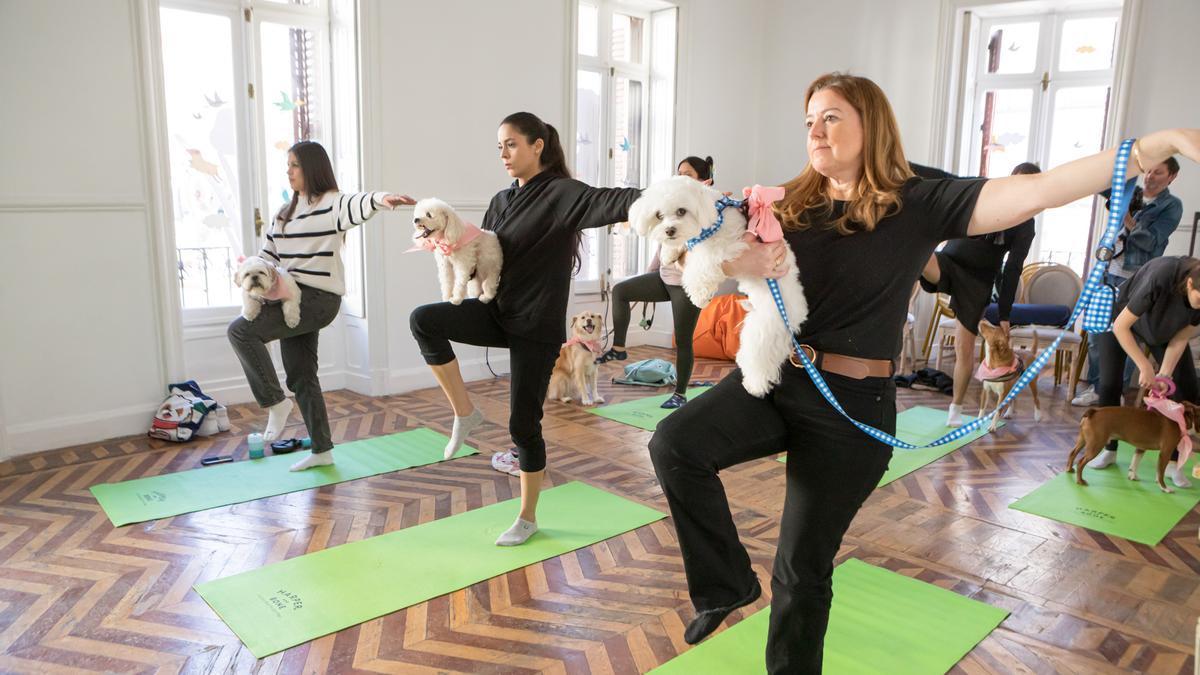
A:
[849,366]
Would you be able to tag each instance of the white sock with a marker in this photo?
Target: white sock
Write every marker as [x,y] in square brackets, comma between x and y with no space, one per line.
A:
[1178,476]
[277,416]
[462,427]
[518,534]
[1104,459]
[954,418]
[314,459]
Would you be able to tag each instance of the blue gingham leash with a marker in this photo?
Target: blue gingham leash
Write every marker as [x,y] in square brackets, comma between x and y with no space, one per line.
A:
[709,231]
[1118,204]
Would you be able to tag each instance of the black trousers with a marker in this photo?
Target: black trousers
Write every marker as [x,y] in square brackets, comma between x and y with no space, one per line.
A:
[651,288]
[831,469]
[298,347]
[435,326]
[1112,372]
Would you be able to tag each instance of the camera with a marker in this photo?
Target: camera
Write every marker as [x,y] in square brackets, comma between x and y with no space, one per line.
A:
[1136,201]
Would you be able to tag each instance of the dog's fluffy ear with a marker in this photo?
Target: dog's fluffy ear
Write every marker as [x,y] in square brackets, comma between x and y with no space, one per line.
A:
[640,217]
[704,204]
[454,225]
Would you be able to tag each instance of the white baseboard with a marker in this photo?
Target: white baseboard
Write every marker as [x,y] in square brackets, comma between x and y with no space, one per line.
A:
[420,377]
[61,432]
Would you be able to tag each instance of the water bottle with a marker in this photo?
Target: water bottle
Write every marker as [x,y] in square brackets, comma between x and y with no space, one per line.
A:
[307,443]
[255,441]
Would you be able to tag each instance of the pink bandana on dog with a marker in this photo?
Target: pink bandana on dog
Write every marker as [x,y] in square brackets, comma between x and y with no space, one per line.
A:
[590,345]
[471,233]
[1172,410]
[762,219]
[986,373]
[278,290]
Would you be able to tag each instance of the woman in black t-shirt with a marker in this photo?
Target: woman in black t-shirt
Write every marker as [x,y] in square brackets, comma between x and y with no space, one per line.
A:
[538,220]
[861,227]
[966,269]
[1158,307]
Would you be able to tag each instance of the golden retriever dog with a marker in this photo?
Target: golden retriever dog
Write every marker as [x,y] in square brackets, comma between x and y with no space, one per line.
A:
[575,369]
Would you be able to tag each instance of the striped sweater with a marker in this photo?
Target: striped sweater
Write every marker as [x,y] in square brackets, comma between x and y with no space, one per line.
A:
[309,246]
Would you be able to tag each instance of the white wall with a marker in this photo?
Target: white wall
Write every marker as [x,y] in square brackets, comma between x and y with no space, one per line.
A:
[81,357]
[1164,92]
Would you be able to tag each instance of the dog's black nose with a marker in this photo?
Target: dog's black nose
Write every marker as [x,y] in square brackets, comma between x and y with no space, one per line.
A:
[670,231]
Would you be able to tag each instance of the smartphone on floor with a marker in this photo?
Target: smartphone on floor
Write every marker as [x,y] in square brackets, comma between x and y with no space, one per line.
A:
[209,461]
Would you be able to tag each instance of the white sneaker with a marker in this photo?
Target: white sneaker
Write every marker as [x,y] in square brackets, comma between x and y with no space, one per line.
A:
[954,417]
[506,462]
[1086,398]
[1105,459]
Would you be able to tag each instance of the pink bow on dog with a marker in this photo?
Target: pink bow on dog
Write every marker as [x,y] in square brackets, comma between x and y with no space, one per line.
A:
[471,233]
[762,219]
[985,372]
[1172,410]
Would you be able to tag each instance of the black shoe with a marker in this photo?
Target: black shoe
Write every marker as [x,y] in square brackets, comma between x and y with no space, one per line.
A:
[676,401]
[611,355]
[707,621]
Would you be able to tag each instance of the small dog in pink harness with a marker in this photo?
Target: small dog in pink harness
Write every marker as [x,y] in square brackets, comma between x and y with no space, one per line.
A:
[263,281]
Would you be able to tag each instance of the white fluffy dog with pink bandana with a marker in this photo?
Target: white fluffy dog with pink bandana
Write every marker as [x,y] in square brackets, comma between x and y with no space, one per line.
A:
[468,258]
[681,213]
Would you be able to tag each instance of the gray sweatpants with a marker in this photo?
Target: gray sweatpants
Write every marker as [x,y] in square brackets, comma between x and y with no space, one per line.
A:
[298,346]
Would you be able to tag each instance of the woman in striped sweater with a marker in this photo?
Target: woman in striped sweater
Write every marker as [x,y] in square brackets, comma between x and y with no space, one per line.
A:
[306,239]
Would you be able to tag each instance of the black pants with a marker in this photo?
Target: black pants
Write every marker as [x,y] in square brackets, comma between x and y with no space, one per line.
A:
[831,469]
[651,288]
[298,347]
[474,323]
[1112,373]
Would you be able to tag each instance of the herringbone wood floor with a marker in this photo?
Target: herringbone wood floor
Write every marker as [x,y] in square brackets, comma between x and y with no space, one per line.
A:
[77,594]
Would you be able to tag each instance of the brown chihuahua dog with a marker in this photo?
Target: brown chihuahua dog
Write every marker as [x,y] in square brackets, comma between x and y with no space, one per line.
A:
[1143,429]
[999,373]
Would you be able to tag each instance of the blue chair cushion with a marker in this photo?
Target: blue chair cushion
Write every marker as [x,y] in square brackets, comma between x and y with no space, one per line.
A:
[1026,315]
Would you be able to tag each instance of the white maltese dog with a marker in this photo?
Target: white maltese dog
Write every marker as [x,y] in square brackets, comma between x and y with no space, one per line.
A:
[262,280]
[677,209]
[468,258]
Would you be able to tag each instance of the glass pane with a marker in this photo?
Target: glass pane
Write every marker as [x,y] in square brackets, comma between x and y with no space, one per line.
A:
[588,141]
[202,145]
[294,2]
[589,30]
[1088,44]
[627,38]
[291,94]
[1064,233]
[1077,123]
[590,270]
[662,95]
[1006,123]
[627,132]
[1012,48]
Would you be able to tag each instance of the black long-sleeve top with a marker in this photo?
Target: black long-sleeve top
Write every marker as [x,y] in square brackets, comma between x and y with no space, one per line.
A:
[1017,242]
[536,224]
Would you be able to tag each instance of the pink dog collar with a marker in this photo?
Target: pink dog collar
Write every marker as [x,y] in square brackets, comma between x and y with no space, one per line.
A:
[471,233]
[1173,411]
[591,345]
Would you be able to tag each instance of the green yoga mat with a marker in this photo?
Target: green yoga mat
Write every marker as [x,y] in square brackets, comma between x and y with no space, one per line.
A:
[135,501]
[643,413]
[920,425]
[285,604]
[880,622]
[1111,503]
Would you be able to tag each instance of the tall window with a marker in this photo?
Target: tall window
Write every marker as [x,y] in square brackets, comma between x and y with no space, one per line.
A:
[624,119]
[1042,91]
[242,83]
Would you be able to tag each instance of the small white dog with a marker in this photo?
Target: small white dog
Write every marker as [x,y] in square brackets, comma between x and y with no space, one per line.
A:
[468,258]
[575,369]
[677,209]
[262,280]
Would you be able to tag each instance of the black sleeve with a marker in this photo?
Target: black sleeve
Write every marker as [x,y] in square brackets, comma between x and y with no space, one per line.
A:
[943,206]
[597,207]
[1018,249]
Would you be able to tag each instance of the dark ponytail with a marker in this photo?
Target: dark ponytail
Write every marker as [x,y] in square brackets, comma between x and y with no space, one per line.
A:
[702,167]
[553,159]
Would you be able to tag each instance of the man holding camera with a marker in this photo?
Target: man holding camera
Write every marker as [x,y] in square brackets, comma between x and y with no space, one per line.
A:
[1154,213]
